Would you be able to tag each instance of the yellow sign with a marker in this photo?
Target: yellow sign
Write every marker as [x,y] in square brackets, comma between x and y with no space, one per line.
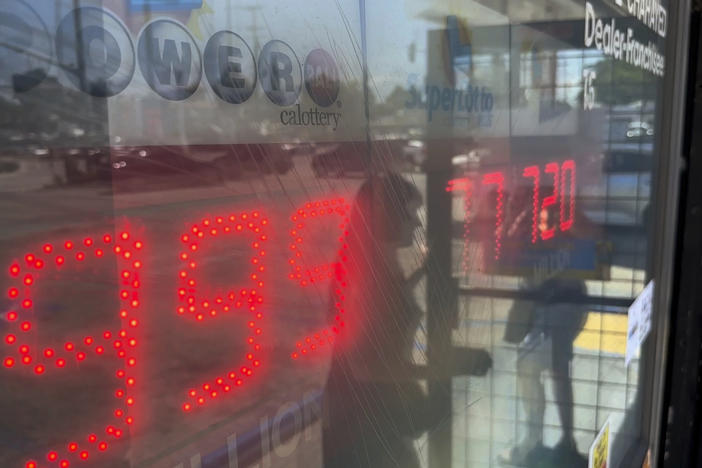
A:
[599,450]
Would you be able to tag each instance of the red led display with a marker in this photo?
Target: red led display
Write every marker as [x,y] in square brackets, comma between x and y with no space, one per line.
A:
[567,172]
[249,298]
[548,230]
[498,180]
[535,173]
[46,359]
[564,180]
[311,274]
[560,174]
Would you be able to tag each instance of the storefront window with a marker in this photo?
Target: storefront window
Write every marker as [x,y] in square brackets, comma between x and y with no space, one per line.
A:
[310,233]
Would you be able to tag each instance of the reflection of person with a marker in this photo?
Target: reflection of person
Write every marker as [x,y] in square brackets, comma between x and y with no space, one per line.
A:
[544,327]
[556,319]
[374,403]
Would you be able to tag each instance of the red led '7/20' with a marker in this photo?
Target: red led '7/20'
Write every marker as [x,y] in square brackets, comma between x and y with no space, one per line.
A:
[534,173]
[497,179]
[566,172]
[567,169]
[20,357]
[549,230]
[193,304]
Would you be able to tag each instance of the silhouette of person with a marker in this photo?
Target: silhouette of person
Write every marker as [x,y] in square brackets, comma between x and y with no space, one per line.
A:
[544,326]
[375,405]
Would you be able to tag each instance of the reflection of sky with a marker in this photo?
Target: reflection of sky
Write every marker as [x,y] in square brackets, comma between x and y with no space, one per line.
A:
[51,13]
[13,62]
[391,64]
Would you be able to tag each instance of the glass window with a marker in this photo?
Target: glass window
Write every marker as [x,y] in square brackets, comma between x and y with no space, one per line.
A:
[311,233]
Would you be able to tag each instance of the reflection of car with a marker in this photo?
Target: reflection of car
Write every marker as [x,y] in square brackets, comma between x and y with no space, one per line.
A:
[84,163]
[414,154]
[217,161]
[621,197]
[293,149]
[639,129]
[469,161]
[235,160]
[336,160]
[30,171]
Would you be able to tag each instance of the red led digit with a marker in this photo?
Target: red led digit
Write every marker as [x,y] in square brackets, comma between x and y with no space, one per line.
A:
[464,185]
[567,172]
[192,302]
[338,209]
[534,173]
[309,274]
[547,229]
[41,360]
[497,179]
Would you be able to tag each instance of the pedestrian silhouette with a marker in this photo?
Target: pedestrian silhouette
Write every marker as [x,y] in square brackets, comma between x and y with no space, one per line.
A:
[375,404]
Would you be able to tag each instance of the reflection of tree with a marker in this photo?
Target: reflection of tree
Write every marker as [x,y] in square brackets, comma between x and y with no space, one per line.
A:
[394,102]
[618,82]
[353,93]
[52,115]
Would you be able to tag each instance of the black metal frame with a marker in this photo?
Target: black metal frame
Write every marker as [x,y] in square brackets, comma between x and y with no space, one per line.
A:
[682,407]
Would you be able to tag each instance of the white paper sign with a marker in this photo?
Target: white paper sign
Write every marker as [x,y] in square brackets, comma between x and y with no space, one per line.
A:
[639,321]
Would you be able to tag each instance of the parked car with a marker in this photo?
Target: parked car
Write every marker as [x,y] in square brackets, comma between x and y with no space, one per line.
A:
[337,160]
[639,130]
[213,162]
[621,197]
